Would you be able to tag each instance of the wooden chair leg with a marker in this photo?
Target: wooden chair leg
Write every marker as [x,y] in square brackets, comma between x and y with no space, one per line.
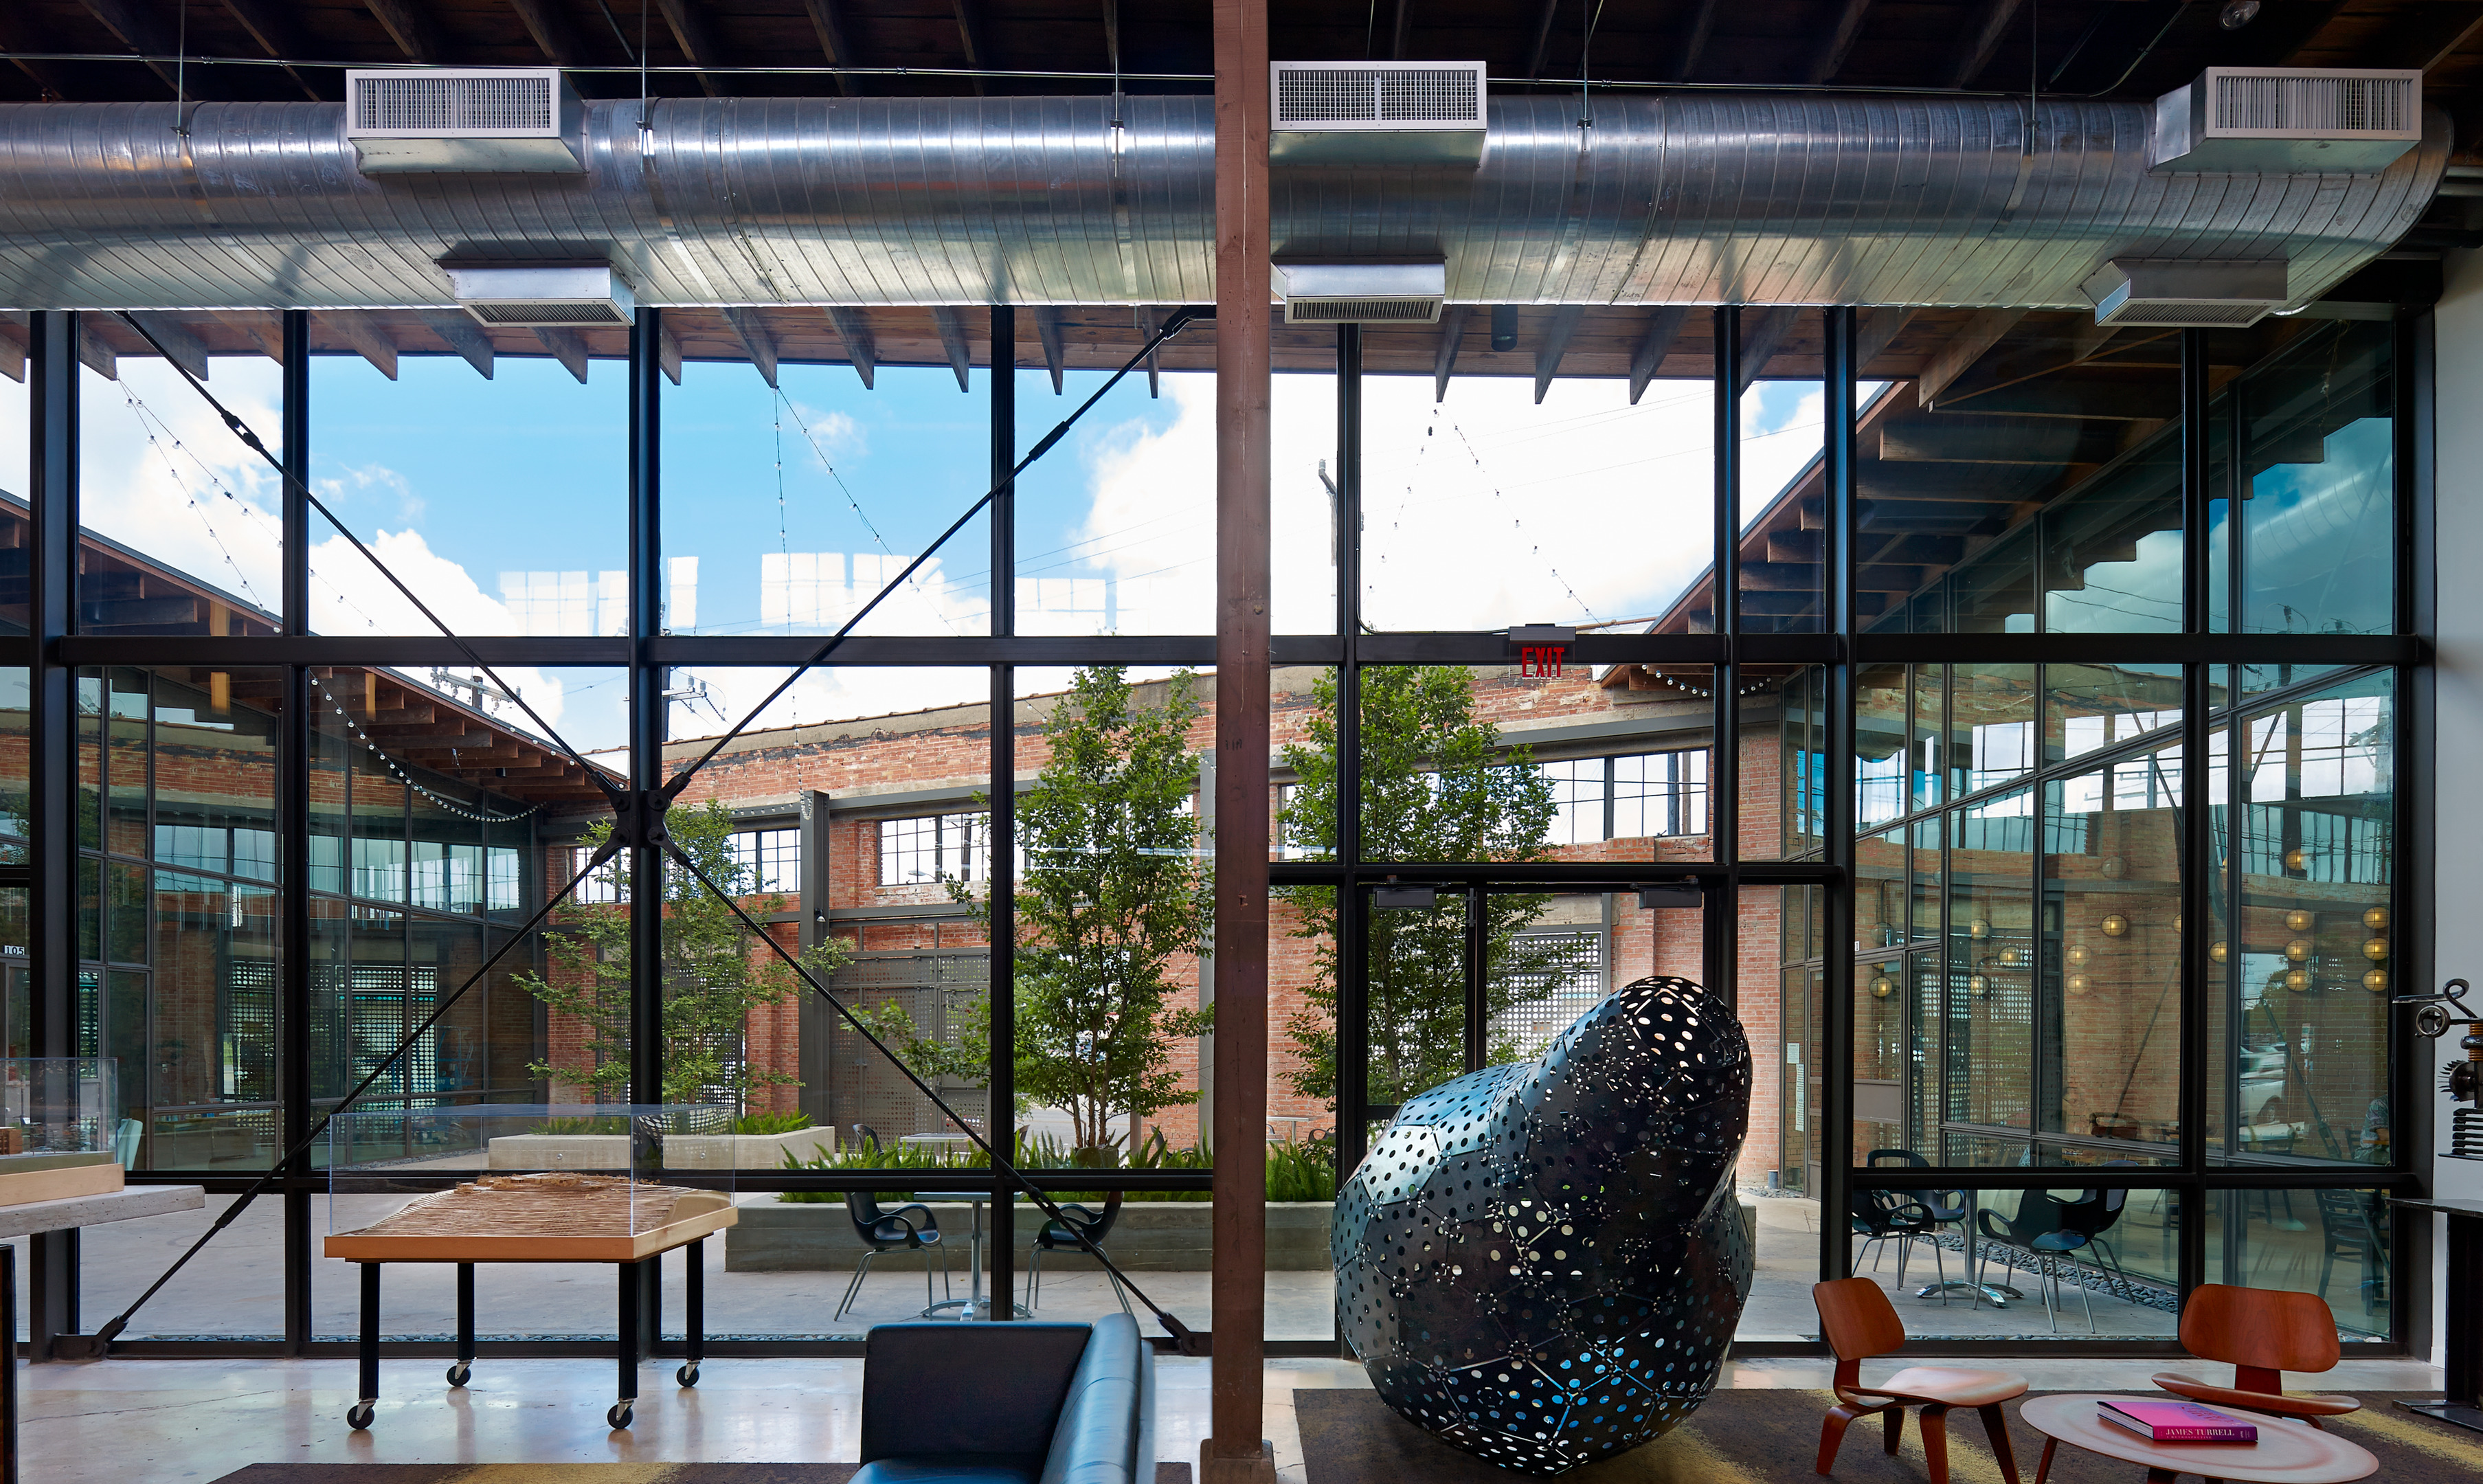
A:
[2043,1469]
[1831,1434]
[1935,1425]
[1996,1423]
[1895,1417]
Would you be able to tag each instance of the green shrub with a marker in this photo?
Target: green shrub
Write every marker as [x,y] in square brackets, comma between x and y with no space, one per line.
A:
[1297,1171]
[772,1123]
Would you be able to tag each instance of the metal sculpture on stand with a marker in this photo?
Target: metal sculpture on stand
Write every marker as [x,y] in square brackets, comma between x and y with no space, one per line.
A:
[2462,1080]
[1542,1264]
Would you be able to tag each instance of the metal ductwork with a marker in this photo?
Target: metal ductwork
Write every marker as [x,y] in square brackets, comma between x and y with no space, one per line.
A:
[1815,199]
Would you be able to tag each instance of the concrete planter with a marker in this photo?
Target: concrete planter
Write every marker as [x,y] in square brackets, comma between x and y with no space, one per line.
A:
[682,1151]
[1151,1237]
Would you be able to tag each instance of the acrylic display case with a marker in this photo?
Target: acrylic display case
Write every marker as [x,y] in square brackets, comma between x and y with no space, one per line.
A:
[61,1130]
[527,1183]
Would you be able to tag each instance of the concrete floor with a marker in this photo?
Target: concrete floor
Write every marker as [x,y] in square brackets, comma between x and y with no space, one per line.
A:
[111,1421]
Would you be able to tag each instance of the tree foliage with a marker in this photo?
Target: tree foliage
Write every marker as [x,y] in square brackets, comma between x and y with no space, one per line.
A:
[1436,785]
[714,976]
[1113,889]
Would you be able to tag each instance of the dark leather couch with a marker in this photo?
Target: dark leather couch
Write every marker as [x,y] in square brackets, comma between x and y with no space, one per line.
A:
[1012,1403]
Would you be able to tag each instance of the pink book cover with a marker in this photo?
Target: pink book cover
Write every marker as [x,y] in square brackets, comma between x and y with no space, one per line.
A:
[2176,1421]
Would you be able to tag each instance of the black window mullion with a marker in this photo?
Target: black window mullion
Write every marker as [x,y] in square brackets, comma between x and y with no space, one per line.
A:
[2196,839]
[999,827]
[1837,825]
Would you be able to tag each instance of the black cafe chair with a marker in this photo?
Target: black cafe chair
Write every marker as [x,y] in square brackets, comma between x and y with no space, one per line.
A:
[1058,1237]
[906,1229]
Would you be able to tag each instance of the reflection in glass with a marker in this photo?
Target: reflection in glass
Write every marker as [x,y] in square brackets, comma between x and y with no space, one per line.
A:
[1783,432]
[2094,1262]
[2318,461]
[2092,706]
[1992,959]
[2332,1243]
[1991,725]
[2111,1010]
[2308,1059]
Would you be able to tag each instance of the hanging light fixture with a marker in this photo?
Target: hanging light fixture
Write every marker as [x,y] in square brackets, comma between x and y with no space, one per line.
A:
[1882,984]
[2077,984]
[2375,949]
[2218,951]
[2114,926]
[2076,957]
[2376,918]
[2376,981]
[2298,980]
[2298,950]
[2298,920]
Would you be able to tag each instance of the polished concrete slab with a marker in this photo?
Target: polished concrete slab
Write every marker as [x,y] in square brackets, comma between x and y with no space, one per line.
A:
[109,1421]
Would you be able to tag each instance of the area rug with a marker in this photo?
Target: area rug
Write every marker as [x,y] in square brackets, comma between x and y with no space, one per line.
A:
[1771,1437]
[574,1473]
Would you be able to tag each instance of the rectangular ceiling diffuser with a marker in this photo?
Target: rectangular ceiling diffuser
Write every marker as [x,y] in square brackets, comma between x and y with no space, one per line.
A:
[582,296]
[520,121]
[2174,291]
[1362,293]
[2342,120]
[1376,113]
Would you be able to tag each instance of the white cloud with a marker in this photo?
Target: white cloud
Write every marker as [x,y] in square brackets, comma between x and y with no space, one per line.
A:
[159,472]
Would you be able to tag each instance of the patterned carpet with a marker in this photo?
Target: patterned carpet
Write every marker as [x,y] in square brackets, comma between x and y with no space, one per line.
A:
[1752,1436]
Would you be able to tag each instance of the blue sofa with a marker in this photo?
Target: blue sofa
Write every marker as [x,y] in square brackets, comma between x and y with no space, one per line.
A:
[1012,1403]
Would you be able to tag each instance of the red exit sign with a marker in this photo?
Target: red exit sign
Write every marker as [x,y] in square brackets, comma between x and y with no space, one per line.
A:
[1540,661]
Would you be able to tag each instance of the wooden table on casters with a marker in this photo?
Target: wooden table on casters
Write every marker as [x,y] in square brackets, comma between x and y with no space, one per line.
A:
[2285,1453]
[692,1215]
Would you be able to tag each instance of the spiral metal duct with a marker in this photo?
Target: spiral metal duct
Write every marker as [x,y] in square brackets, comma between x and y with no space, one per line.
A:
[1815,199]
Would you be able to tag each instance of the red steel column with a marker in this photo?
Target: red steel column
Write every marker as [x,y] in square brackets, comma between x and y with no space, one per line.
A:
[1234,1452]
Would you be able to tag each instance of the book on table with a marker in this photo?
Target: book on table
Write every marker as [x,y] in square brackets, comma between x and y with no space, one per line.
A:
[2175,1421]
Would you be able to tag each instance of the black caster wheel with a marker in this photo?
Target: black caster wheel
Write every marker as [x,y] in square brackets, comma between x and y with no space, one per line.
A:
[358,1417]
[618,1416]
[687,1375]
[458,1375]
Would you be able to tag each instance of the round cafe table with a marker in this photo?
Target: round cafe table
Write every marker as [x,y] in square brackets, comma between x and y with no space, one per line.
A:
[2285,1453]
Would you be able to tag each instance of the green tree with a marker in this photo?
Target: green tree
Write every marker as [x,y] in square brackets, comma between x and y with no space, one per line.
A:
[1436,785]
[1111,891]
[714,976]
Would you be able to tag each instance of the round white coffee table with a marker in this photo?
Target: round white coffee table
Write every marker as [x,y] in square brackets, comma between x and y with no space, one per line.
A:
[2285,1453]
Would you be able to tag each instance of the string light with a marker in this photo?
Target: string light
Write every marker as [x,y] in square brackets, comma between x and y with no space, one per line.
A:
[407,779]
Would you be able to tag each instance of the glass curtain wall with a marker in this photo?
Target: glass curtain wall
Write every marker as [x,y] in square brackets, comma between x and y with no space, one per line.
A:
[1919,758]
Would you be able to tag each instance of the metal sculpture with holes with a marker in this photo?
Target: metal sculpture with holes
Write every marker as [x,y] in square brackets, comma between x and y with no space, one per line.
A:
[1542,1264]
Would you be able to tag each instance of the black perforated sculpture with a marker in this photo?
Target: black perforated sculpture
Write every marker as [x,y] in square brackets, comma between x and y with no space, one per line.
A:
[1542,1264]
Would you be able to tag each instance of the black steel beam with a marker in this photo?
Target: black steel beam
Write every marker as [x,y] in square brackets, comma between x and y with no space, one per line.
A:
[294,729]
[51,769]
[1002,876]
[1836,1052]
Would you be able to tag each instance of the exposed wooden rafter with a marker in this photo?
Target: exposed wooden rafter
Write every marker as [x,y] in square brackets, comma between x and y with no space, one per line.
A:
[855,331]
[143,31]
[274,30]
[696,37]
[970,34]
[1663,327]
[1982,40]
[1453,333]
[828,23]
[1555,344]
[568,347]
[1047,330]
[553,36]
[411,27]
[363,333]
[1838,44]
[186,350]
[754,340]
[466,338]
[953,340]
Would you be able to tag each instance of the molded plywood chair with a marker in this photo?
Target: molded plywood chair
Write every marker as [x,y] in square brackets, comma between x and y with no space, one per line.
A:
[2262,1332]
[1860,1324]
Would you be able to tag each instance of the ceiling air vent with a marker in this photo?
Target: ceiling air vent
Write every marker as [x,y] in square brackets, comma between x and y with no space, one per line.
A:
[2170,292]
[2288,118]
[581,296]
[486,119]
[1377,112]
[1363,292]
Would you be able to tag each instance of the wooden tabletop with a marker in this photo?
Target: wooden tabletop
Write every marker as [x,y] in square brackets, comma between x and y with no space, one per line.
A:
[2285,1453]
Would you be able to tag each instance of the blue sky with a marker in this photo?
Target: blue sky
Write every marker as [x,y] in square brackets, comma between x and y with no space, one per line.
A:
[502,503]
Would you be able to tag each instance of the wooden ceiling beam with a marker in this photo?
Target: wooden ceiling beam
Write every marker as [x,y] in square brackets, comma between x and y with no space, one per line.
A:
[1694,39]
[411,27]
[363,332]
[1536,55]
[553,36]
[970,35]
[17,37]
[1973,340]
[145,32]
[566,346]
[854,329]
[697,39]
[1982,41]
[1838,44]
[184,349]
[953,340]
[1453,333]
[828,23]
[1047,330]
[1663,327]
[278,36]
[463,335]
[756,342]
[1555,346]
